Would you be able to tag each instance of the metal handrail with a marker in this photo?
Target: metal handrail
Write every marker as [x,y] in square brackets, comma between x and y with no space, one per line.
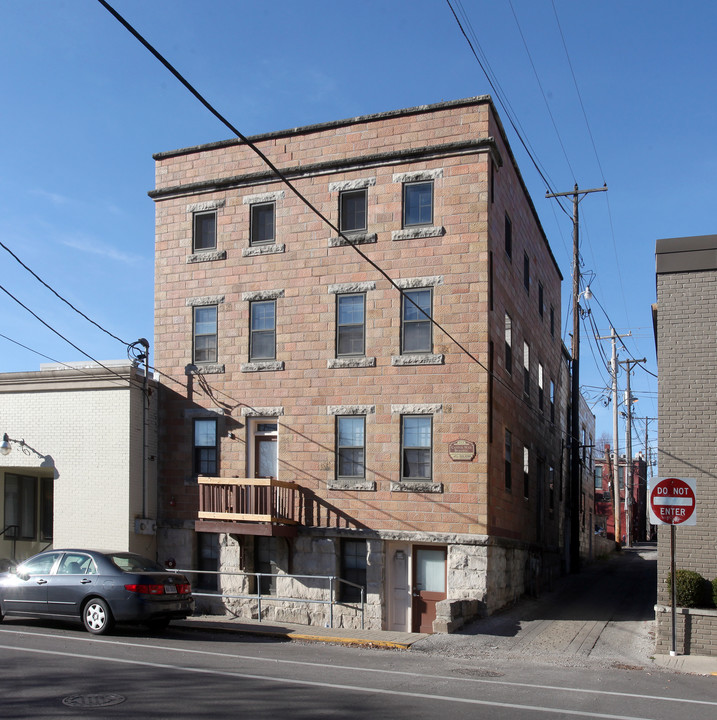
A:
[259,596]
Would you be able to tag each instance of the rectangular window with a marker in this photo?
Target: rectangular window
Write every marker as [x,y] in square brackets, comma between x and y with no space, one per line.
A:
[508,461]
[508,237]
[352,210]
[551,487]
[416,445]
[350,447]
[20,507]
[552,401]
[353,569]
[262,340]
[526,369]
[541,309]
[541,389]
[205,447]
[204,235]
[262,224]
[205,334]
[416,334]
[207,561]
[46,508]
[526,272]
[350,327]
[508,343]
[526,472]
[552,321]
[598,477]
[418,204]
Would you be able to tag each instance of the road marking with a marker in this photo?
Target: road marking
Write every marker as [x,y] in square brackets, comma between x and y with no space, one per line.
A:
[329,686]
[351,668]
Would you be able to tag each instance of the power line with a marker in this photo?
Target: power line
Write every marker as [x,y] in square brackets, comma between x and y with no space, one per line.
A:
[60,335]
[67,302]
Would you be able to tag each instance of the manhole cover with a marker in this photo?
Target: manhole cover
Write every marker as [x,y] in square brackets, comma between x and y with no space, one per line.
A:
[93,701]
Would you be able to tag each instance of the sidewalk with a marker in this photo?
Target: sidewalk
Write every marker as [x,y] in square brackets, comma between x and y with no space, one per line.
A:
[694,664]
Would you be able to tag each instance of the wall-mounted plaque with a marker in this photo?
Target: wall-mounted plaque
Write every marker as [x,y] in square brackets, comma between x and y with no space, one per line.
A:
[462,450]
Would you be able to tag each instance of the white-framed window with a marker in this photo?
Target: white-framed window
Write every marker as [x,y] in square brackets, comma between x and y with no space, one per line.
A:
[262,331]
[205,446]
[416,447]
[416,330]
[350,324]
[350,447]
[205,334]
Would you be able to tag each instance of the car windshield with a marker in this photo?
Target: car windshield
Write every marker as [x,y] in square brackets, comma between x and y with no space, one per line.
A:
[134,563]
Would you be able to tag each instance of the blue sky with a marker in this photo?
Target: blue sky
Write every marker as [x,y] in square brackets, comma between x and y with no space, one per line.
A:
[85,106]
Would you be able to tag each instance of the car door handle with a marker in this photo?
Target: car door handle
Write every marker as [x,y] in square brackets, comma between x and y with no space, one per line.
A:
[40,581]
[84,581]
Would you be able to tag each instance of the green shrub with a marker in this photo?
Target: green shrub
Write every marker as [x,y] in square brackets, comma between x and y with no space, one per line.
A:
[693,591]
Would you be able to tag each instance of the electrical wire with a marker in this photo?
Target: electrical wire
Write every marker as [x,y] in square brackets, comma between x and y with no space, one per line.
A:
[60,335]
[54,292]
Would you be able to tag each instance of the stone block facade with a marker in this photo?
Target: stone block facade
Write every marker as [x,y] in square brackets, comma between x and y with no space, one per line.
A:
[687,347]
[489,375]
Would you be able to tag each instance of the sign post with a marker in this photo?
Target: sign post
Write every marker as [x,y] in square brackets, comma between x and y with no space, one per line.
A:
[673,501]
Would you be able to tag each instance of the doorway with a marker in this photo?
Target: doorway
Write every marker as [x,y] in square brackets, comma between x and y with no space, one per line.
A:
[263,460]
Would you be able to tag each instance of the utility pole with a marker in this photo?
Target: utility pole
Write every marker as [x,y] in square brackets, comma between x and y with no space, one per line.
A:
[575,474]
[629,500]
[613,336]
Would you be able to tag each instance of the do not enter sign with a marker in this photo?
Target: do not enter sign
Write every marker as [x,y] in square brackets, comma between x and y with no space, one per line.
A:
[673,502]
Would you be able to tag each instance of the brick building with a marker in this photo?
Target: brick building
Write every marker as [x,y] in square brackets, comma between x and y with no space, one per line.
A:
[72,472]
[686,338]
[313,420]
[605,497]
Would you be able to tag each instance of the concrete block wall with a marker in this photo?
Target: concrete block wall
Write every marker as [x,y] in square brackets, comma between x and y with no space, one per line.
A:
[687,436]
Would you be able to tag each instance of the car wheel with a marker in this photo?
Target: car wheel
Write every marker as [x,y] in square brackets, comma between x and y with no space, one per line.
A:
[97,617]
[158,625]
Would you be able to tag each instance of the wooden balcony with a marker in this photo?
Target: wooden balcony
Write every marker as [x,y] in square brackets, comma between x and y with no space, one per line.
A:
[247,506]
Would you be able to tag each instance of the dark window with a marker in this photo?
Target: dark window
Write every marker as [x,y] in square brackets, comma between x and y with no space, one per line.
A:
[205,334]
[353,569]
[205,231]
[526,369]
[350,446]
[508,344]
[416,444]
[208,561]
[262,343]
[416,335]
[262,224]
[526,272]
[526,472]
[205,447]
[352,210]
[508,460]
[350,324]
[551,487]
[508,237]
[552,401]
[46,508]
[20,507]
[418,204]
[552,321]
[541,299]
[266,561]
[541,389]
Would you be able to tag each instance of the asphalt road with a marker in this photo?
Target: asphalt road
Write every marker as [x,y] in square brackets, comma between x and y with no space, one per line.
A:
[59,671]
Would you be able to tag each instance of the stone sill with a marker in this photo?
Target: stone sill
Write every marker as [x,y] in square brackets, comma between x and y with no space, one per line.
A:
[267,366]
[208,369]
[362,362]
[361,485]
[417,487]
[415,233]
[353,239]
[417,359]
[206,256]
[706,612]
[255,250]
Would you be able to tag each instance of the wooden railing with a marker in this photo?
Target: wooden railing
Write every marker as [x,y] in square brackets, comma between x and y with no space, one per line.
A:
[260,500]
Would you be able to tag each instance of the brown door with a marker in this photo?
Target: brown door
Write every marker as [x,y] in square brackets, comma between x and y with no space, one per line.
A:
[429,585]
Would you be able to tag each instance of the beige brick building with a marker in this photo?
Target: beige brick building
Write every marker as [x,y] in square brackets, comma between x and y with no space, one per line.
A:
[313,420]
[686,337]
[72,473]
